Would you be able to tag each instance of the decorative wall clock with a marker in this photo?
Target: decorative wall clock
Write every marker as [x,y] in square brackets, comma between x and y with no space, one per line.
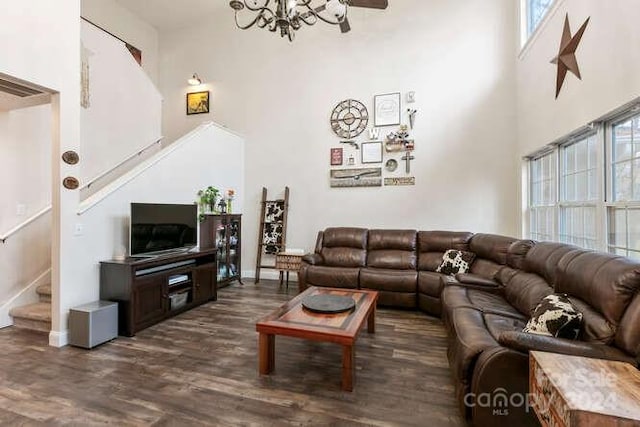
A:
[349,118]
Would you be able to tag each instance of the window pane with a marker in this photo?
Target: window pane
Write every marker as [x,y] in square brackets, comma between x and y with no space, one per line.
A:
[593,184]
[617,228]
[633,223]
[581,179]
[622,141]
[633,254]
[636,179]
[536,9]
[622,181]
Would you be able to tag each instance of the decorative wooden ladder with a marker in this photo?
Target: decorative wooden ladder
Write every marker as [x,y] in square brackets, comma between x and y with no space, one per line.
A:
[273,216]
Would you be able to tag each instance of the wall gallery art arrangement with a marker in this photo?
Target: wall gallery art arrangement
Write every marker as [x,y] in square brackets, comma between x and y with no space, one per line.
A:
[349,119]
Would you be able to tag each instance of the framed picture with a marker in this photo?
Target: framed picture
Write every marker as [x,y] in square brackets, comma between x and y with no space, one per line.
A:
[336,157]
[386,109]
[197,103]
[371,152]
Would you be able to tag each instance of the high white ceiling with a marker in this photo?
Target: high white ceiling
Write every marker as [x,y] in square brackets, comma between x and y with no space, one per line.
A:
[167,15]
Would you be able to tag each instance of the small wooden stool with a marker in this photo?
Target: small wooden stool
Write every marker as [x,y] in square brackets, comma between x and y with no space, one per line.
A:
[286,261]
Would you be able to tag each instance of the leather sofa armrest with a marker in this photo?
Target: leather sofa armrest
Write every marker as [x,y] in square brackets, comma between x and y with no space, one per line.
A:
[491,287]
[526,342]
[313,259]
[474,279]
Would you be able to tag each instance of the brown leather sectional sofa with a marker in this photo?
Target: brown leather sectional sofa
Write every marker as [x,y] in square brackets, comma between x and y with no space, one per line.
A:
[485,310]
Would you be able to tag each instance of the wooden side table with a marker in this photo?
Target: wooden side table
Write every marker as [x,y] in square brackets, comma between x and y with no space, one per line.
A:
[577,391]
[286,261]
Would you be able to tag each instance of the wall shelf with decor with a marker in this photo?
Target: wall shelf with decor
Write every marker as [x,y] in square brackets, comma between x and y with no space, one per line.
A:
[223,232]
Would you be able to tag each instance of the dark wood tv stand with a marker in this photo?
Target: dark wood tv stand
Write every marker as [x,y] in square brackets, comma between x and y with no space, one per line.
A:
[149,290]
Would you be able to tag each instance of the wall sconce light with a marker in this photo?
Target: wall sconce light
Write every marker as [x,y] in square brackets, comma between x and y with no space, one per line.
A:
[194,80]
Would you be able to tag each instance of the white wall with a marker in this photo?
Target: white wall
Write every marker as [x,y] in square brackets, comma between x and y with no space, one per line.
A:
[25,141]
[125,111]
[457,56]
[119,21]
[171,176]
[40,43]
[608,61]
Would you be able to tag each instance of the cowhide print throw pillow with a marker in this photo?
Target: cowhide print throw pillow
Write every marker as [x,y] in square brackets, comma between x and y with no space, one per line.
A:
[555,316]
[454,262]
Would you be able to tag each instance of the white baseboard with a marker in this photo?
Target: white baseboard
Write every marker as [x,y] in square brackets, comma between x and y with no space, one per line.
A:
[58,339]
[27,295]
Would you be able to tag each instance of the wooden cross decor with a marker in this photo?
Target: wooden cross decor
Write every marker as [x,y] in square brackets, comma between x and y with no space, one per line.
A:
[407,158]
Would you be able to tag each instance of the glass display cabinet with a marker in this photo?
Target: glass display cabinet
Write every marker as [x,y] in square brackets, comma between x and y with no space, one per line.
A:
[223,232]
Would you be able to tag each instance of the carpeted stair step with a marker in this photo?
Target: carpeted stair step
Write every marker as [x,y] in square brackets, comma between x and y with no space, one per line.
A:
[36,317]
[44,292]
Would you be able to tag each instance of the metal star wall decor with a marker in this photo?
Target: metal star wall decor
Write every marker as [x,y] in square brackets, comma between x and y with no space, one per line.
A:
[566,58]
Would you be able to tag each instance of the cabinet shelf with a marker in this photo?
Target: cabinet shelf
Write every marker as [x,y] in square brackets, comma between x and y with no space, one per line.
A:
[146,299]
[223,231]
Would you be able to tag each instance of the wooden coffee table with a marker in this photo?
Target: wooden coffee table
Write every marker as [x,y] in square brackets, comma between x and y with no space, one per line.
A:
[294,321]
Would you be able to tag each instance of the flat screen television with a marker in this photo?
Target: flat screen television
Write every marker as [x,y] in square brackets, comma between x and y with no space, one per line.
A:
[159,227]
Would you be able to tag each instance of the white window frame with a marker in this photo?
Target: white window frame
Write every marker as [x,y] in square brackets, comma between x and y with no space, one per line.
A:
[525,35]
[553,207]
[596,133]
[610,203]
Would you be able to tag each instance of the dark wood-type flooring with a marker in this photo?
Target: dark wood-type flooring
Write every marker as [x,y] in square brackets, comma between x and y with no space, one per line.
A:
[201,368]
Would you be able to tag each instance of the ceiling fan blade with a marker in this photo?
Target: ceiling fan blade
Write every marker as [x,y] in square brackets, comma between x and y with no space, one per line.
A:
[344,26]
[372,4]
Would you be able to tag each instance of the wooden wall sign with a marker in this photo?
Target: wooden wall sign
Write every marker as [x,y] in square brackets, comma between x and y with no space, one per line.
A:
[357,177]
[405,180]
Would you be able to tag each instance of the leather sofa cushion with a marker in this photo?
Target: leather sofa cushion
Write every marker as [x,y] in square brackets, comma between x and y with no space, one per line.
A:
[344,257]
[497,324]
[318,275]
[542,259]
[440,241]
[349,237]
[469,340]
[392,258]
[429,283]
[429,261]
[485,268]
[458,296]
[491,246]
[397,299]
[595,327]
[473,279]
[395,249]
[517,253]
[388,280]
[604,281]
[627,336]
[403,240]
[430,305]
[525,291]
[433,244]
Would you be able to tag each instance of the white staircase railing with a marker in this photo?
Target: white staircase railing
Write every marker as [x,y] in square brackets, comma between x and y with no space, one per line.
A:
[14,230]
[138,153]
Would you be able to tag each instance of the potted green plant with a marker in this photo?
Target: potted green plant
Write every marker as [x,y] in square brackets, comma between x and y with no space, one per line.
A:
[207,199]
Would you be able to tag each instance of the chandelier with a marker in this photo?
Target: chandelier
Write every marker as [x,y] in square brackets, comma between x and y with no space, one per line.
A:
[289,15]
